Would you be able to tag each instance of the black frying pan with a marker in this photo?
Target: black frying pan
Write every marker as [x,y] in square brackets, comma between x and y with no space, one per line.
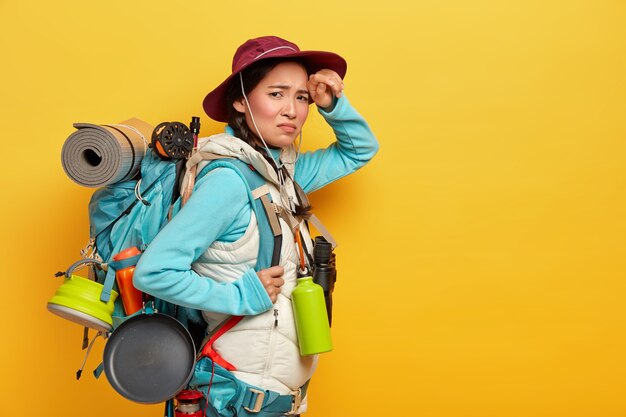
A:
[149,358]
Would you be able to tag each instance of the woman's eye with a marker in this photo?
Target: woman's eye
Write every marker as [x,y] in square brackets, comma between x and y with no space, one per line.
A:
[303,98]
[276,94]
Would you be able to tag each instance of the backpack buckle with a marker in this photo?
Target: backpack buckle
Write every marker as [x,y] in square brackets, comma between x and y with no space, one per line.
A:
[297,399]
[258,404]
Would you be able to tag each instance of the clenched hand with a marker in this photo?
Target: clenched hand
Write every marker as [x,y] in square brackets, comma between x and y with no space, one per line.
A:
[272,279]
[324,86]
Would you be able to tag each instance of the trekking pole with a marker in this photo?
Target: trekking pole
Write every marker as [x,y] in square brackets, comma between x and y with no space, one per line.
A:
[195,130]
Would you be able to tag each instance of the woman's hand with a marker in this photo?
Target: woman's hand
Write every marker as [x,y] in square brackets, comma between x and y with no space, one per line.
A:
[324,86]
[272,280]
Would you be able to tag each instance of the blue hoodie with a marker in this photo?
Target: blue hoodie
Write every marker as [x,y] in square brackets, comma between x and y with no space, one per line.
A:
[219,210]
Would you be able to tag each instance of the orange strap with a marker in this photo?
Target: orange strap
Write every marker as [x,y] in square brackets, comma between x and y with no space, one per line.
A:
[208,351]
[298,240]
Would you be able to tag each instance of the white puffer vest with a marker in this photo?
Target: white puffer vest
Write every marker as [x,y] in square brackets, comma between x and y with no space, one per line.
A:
[263,348]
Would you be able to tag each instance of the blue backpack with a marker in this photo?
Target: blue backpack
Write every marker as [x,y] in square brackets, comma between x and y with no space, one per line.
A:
[131,213]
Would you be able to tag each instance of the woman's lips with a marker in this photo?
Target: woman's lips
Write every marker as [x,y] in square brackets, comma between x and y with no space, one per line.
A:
[287,128]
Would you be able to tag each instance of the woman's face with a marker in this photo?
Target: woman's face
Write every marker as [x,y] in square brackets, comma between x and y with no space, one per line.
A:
[280,104]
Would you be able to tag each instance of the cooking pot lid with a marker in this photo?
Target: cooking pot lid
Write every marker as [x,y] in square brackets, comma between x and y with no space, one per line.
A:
[149,358]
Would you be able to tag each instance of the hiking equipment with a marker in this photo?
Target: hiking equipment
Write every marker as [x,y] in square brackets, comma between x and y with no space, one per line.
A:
[128,228]
[130,213]
[143,215]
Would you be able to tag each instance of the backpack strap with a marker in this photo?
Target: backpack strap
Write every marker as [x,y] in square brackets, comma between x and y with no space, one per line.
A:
[261,202]
[109,280]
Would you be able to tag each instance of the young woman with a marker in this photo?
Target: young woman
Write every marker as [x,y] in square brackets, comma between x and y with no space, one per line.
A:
[205,257]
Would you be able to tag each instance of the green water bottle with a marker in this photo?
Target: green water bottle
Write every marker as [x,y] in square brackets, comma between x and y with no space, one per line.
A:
[311,318]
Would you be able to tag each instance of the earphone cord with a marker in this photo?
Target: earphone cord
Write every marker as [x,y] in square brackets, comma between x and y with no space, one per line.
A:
[276,164]
[298,148]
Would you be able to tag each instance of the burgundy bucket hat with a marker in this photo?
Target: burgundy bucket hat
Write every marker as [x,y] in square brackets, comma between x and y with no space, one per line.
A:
[254,50]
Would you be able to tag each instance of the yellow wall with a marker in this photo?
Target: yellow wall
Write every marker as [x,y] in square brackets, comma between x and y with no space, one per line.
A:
[482,267]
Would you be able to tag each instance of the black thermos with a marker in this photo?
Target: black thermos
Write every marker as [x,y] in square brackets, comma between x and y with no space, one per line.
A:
[324,271]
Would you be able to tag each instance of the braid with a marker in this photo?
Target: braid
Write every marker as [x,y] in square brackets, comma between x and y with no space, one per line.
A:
[240,128]
[242,131]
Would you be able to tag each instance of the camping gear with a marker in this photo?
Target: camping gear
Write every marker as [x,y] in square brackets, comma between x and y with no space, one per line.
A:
[78,300]
[311,319]
[195,130]
[131,213]
[120,219]
[132,298]
[173,140]
[150,357]
[98,155]
[325,272]
[189,404]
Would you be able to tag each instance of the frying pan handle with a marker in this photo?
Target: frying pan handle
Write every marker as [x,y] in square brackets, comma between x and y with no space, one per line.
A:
[76,264]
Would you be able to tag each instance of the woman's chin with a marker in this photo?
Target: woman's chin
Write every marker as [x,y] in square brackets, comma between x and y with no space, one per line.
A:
[280,142]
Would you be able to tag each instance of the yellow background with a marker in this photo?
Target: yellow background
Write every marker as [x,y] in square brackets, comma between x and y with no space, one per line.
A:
[481,260]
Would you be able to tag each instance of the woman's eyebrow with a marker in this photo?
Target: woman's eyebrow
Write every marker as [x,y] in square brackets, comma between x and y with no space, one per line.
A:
[287,87]
[281,86]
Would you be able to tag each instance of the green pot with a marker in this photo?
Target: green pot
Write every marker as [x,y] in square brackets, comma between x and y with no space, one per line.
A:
[78,300]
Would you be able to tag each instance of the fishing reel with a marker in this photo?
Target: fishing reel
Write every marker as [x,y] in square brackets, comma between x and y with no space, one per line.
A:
[172,140]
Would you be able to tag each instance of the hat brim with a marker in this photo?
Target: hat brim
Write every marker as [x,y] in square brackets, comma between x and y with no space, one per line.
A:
[214,103]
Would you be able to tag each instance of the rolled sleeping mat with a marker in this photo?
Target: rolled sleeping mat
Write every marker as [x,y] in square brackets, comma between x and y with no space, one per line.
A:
[98,155]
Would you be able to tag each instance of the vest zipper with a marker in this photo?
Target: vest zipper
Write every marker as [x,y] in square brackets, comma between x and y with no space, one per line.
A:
[272,342]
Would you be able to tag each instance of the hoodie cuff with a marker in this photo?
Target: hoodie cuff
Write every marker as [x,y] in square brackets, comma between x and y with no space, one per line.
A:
[251,281]
[338,107]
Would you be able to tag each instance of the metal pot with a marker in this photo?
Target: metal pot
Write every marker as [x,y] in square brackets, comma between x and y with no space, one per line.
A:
[149,358]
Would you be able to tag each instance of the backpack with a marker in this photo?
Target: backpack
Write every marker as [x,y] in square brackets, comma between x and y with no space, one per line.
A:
[131,213]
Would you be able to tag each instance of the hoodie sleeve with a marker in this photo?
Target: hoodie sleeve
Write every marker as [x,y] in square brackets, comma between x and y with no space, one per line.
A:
[215,209]
[356,145]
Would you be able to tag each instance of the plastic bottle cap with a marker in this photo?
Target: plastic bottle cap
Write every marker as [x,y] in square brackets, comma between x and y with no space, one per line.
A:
[127,253]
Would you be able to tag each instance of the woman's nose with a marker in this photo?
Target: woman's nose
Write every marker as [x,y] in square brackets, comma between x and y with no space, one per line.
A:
[289,110]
